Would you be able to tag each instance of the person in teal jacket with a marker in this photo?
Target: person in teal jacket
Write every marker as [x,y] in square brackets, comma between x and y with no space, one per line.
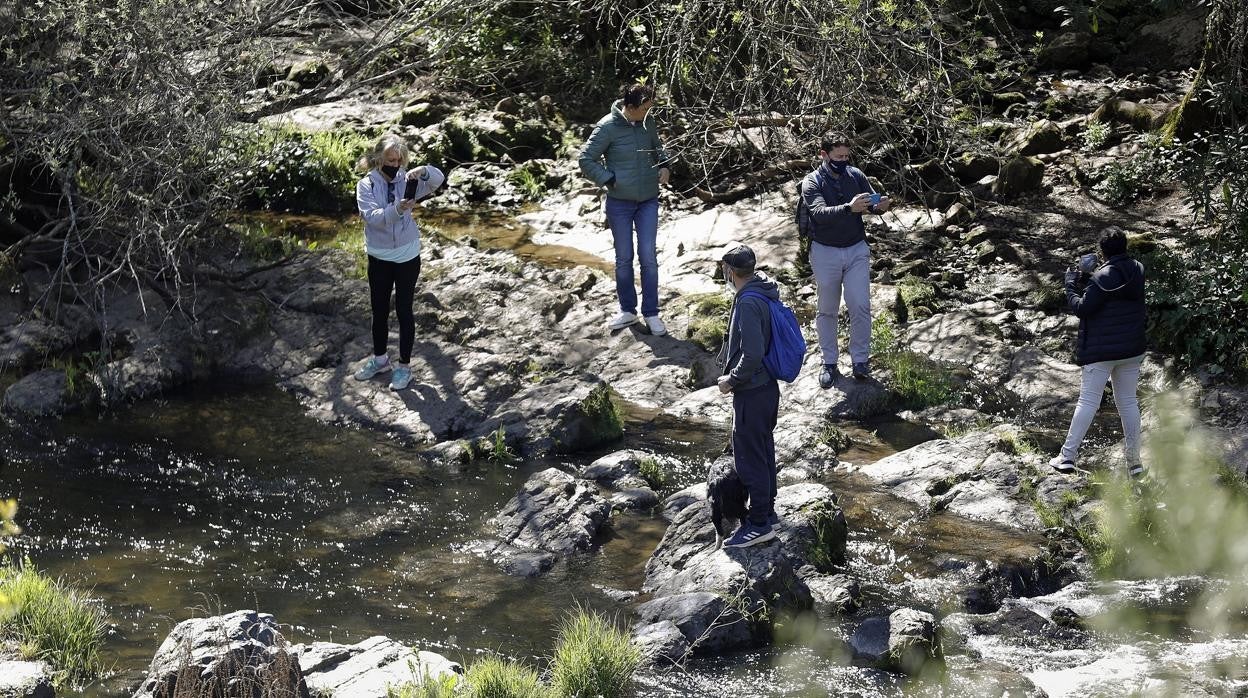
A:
[624,154]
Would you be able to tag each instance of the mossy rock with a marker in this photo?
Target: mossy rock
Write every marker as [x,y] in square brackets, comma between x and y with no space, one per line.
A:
[422,114]
[308,72]
[1019,175]
[827,520]
[972,167]
[1042,137]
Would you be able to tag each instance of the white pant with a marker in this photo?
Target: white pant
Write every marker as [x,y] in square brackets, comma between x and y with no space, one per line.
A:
[1125,376]
[851,267]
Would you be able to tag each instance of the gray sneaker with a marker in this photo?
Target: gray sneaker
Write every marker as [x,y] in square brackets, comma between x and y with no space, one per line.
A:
[402,376]
[372,367]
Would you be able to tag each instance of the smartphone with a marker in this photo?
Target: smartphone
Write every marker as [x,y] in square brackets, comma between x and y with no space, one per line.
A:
[875,199]
[410,191]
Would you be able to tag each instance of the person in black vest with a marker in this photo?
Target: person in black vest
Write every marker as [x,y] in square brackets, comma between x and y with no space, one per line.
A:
[755,393]
[836,195]
[1112,318]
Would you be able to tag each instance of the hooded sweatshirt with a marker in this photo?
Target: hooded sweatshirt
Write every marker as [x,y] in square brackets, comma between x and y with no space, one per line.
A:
[1111,311]
[749,335]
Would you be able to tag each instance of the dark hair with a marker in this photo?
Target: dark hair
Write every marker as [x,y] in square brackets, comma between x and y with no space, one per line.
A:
[636,94]
[832,140]
[1113,242]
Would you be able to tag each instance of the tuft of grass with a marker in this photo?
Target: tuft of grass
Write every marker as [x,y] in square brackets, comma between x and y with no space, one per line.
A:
[916,299]
[708,319]
[593,658]
[444,687]
[496,449]
[831,436]
[654,472]
[828,548]
[52,622]
[918,381]
[604,414]
[495,677]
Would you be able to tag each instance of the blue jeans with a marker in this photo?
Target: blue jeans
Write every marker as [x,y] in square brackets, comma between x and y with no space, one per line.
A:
[623,217]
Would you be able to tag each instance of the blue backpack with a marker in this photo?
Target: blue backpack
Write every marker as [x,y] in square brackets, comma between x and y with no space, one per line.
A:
[787,348]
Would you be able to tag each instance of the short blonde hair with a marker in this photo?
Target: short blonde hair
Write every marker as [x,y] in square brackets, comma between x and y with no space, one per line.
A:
[388,142]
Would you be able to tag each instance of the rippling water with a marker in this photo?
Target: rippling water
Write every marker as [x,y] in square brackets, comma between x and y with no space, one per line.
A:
[219,500]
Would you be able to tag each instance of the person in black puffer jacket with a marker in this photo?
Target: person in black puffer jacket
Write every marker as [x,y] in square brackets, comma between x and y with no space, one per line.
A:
[1112,318]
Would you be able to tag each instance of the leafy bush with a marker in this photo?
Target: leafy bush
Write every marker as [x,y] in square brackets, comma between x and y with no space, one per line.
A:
[290,169]
[52,622]
[593,658]
[495,677]
[1195,288]
[1095,135]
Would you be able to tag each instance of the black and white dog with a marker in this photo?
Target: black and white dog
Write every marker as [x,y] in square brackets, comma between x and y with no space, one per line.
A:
[726,495]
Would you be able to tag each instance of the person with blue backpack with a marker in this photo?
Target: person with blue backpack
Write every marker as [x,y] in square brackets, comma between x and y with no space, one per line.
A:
[764,344]
[833,199]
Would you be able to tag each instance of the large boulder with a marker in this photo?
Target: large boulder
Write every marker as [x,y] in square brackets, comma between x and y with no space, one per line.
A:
[969,337]
[1068,50]
[724,598]
[906,640]
[368,669]
[1043,384]
[976,475]
[1040,138]
[40,394]
[555,515]
[25,680]
[1019,175]
[242,645]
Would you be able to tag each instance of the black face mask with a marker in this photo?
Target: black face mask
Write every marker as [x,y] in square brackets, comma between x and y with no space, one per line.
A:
[838,166]
[390,170]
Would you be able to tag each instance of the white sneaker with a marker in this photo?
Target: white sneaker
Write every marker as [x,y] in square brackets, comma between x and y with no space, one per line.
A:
[372,367]
[656,326]
[621,321]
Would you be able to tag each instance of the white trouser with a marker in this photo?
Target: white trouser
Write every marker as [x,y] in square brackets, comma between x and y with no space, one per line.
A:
[851,267]
[1125,376]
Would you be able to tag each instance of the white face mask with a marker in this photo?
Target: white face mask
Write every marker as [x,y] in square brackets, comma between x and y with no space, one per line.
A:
[732,289]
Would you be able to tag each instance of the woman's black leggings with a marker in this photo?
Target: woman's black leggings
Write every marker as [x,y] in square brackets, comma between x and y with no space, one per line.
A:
[399,277]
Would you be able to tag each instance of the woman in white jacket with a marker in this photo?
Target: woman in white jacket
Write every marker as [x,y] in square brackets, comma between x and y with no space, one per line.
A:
[386,197]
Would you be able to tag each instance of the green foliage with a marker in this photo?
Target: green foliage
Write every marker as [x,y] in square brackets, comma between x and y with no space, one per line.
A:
[1183,522]
[917,381]
[495,677]
[1196,287]
[593,658]
[543,48]
[444,687]
[1140,174]
[1094,135]
[708,319]
[916,298]
[604,415]
[52,622]
[527,181]
[833,437]
[496,449]
[295,170]
[654,472]
[827,549]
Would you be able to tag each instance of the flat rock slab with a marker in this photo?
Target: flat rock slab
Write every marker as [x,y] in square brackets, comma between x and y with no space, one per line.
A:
[25,680]
[367,669]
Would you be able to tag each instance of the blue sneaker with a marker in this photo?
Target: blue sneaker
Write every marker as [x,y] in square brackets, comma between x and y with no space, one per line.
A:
[749,534]
[372,367]
[402,376]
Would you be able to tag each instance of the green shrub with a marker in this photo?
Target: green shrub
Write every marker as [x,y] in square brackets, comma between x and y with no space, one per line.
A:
[593,658]
[1140,174]
[294,170]
[1196,288]
[52,622]
[495,677]
[916,299]
[1095,135]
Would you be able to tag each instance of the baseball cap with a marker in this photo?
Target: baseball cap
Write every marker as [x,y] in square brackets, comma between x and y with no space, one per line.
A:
[738,256]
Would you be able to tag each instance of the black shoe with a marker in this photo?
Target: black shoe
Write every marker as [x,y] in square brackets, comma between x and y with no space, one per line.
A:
[828,376]
[862,371]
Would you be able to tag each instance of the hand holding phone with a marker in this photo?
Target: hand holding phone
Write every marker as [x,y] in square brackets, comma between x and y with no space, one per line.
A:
[875,199]
[409,191]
